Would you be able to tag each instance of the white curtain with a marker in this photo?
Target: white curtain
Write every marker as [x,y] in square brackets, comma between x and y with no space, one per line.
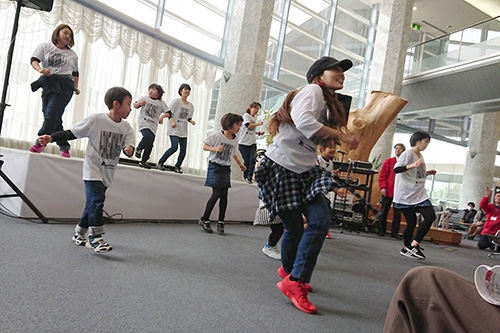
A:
[138,61]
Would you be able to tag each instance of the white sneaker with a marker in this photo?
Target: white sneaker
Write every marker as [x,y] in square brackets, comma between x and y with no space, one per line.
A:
[272,252]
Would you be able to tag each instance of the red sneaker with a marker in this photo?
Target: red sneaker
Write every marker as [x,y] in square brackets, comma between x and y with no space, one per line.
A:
[283,274]
[37,148]
[296,292]
[328,235]
[65,153]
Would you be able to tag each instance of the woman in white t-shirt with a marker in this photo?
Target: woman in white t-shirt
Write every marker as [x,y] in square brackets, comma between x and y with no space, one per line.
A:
[181,114]
[247,140]
[410,194]
[290,183]
[59,81]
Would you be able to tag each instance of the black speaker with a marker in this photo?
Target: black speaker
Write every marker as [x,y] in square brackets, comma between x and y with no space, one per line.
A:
[45,5]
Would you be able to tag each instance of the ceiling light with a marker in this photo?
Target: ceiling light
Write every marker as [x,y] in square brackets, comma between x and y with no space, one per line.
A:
[415,8]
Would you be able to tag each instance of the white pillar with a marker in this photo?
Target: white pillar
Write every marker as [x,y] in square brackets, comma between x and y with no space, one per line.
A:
[388,63]
[480,160]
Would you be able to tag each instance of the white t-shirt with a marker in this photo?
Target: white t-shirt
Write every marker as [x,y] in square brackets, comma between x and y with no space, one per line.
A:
[57,61]
[327,165]
[292,147]
[409,186]
[216,139]
[180,113]
[247,135]
[149,114]
[107,138]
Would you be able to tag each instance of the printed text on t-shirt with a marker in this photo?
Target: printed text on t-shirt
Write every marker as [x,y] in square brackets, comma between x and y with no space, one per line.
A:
[110,145]
[225,155]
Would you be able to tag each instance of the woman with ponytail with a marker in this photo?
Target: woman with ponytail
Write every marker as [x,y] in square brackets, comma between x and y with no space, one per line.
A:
[290,183]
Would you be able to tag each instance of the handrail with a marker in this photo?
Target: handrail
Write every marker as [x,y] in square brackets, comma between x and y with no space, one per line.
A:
[450,33]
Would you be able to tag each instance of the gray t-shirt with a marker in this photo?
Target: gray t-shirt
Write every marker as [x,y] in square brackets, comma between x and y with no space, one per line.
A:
[57,61]
[247,135]
[107,138]
[409,187]
[180,113]
[149,114]
[216,139]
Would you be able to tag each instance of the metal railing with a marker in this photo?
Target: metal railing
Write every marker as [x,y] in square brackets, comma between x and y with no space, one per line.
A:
[477,41]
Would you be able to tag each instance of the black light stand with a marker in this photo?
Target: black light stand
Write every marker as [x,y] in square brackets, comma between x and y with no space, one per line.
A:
[3,105]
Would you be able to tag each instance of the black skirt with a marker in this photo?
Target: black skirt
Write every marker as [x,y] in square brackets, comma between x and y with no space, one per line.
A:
[218,176]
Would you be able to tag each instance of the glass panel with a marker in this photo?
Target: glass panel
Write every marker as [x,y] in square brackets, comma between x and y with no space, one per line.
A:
[136,9]
[304,44]
[322,7]
[357,7]
[290,79]
[278,7]
[271,51]
[357,66]
[307,22]
[197,14]
[275,28]
[350,23]
[346,42]
[268,70]
[191,36]
[220,4]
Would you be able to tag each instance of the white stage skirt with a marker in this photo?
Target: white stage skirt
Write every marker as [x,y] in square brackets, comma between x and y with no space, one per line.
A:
[54,184]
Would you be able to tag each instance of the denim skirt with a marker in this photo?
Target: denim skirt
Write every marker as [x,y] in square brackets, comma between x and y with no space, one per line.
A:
[218,176]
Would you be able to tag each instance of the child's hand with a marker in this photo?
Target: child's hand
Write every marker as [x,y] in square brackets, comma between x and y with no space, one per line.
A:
[44,139]
[243,167]
[260,123]
[128,151]
[192,122]
[44,71]
[219,149]
[174,124]
[142,103]
[160,121]
[431,172]
[342,192]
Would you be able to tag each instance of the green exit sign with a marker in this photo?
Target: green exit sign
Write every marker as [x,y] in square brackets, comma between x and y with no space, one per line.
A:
[415,26]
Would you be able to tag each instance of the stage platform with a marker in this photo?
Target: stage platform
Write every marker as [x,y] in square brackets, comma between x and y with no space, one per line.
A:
[54,184]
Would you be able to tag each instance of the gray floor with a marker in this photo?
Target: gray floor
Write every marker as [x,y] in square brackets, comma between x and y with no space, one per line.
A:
[175,278]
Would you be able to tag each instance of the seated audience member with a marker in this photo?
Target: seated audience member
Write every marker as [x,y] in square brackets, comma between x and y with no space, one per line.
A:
[477,226]
[492,224]
[432,299]
[469,213]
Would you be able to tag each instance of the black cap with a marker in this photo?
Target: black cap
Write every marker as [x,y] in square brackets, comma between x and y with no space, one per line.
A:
[325,63]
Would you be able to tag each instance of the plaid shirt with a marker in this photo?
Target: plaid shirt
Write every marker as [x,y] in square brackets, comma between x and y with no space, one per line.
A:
[281,189]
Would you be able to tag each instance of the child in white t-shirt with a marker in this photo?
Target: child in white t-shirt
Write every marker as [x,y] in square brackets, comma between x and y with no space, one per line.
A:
[222,146]
[152,107]
[181,114]
[108,135]
[247,141]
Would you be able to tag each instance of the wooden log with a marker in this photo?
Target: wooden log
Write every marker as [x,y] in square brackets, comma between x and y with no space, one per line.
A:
[369,122]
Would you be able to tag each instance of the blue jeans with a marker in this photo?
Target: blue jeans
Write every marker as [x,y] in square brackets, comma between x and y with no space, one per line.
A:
[300,248]
[146,144]
[248,154]
[95,192]
[53,106]
[175,141]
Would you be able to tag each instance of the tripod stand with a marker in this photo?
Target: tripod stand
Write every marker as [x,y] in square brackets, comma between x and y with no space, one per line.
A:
[3,105]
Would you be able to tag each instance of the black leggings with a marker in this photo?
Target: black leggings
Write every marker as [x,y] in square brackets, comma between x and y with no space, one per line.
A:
[275,235]
[411,221]
[217,193]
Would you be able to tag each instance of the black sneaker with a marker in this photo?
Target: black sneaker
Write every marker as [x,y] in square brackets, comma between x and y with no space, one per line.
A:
[220,227]
[205,225]
[138,153]
[177,170]
[419,251]
[410,252]
[160,167]
[144,165]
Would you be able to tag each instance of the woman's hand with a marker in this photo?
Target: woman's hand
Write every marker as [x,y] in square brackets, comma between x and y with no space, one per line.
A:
[350,139]
[243,167]
[489,192]
[44,139]
[77,91]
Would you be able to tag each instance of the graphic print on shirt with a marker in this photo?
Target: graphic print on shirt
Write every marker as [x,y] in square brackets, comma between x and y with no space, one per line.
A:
[56,60]
[151,112]
[420,175]
[110,146]
[225,155]
[184,113]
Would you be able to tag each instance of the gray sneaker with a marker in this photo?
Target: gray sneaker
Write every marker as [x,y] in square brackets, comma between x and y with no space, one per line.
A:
[98,245]
[272,252]
[160,166]
[79,239]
